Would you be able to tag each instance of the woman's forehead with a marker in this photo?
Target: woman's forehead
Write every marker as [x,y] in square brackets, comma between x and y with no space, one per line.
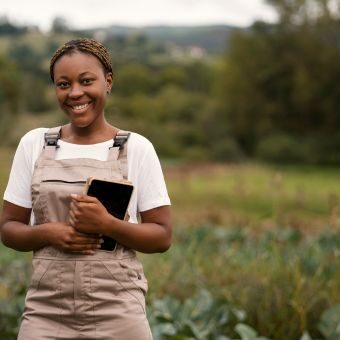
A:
[78,61]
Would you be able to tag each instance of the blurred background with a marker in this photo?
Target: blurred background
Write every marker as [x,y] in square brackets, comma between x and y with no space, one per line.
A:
[242,102]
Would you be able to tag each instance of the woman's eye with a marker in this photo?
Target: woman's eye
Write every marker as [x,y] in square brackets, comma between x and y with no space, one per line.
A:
[63,85]
[87,81]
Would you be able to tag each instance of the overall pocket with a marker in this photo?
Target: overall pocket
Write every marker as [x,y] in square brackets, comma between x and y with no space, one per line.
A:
[39,269]
[129,278]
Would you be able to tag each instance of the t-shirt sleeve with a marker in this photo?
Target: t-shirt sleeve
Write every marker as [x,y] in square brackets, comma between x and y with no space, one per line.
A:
[18,189]
[152,191]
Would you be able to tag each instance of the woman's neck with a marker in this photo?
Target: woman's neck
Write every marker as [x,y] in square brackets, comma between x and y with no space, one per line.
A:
[88,135]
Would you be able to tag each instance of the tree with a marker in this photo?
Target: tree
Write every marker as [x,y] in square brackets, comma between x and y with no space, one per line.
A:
[9,85]
[10,93]
[60,25]
[7,28]
[296,12]
[284,78]
[134,78]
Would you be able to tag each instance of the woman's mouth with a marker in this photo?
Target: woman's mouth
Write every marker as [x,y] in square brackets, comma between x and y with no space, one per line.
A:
[79,108]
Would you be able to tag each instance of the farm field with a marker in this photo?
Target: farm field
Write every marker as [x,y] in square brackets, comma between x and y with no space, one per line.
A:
[255,251]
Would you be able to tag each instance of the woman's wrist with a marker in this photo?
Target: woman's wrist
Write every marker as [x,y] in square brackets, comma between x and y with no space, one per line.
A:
[42,233]
[107,225]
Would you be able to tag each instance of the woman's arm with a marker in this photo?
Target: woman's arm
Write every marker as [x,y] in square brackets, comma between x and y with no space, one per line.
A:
[153,235]
[17,234]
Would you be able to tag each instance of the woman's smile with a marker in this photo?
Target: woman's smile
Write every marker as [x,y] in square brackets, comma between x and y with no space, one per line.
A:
[79,108]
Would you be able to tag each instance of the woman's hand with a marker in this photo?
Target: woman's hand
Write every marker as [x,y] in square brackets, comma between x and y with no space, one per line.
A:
[64,237]
[88,215]
[17,234]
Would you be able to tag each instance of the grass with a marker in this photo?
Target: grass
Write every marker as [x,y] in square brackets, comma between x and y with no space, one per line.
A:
[256,195]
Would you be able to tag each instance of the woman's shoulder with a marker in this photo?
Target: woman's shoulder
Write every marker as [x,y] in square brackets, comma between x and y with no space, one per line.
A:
[140,150]
[32,142]
[139,142]
[34,136]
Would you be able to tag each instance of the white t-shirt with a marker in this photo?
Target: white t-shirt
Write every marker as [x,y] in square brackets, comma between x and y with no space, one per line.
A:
[144,169]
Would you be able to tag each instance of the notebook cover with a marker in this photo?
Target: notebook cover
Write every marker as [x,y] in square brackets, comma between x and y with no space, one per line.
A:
[115,197]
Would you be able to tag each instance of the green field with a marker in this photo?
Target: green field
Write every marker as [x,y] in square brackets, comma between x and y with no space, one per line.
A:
[254,246]
[256,195]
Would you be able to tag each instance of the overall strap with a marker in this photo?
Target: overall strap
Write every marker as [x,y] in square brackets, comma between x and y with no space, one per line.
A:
[51,142]
[118,151]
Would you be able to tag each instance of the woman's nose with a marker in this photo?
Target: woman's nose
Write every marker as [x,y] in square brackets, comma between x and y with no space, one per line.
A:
[76,91]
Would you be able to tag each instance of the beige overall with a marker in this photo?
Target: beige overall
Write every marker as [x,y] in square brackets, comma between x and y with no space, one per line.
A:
[73,296]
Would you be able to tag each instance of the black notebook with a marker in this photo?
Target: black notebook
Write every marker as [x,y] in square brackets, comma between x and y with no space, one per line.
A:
[115,197]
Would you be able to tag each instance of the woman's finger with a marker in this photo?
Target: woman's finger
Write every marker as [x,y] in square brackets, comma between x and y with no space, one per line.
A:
[89,241]
[71,220]
[83,198]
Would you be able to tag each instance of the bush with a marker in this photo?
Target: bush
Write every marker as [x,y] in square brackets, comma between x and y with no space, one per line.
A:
[280,148]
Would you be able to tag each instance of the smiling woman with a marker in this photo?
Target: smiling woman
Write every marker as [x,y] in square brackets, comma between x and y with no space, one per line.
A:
[78,290]
[82,90]
[82,75]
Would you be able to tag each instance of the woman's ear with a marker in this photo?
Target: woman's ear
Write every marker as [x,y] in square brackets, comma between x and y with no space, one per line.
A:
[109,82]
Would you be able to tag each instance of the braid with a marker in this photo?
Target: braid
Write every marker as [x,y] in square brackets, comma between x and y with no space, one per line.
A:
[83,45]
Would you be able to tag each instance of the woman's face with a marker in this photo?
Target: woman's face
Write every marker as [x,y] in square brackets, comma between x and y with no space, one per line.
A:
[81,88]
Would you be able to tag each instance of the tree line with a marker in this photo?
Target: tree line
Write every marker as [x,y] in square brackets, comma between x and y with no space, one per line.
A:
[282,84]
[273,95]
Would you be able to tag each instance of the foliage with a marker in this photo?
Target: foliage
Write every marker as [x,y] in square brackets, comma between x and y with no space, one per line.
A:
[13,284]
[10,93]
[198,317]
[169,115]
[203,317]
[273,95]
[9,78]
[283,80]
[8,28]
[260,273]
[329,324]
[280,148]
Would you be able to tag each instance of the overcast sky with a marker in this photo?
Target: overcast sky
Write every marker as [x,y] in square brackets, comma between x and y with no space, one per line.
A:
[97,13]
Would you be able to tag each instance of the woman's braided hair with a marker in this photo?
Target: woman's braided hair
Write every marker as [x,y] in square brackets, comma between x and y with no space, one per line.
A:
[84,45]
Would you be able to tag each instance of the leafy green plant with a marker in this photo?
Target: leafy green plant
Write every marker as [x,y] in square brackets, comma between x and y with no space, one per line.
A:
[10,313]
[329,324]
[200,317]
[281,269]
[14,275]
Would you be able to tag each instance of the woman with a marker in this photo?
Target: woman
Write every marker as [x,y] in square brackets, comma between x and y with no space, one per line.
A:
[77,290]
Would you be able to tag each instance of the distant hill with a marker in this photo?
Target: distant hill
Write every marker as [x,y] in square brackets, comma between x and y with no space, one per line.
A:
[213,39]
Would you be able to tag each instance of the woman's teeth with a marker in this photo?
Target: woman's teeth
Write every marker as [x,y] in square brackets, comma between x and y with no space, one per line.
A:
[79,107]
